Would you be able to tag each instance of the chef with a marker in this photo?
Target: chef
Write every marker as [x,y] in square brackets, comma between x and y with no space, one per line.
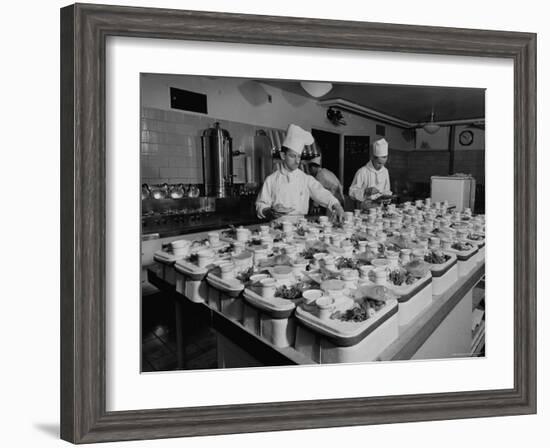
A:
[372,180]
[286,192]
[326,178]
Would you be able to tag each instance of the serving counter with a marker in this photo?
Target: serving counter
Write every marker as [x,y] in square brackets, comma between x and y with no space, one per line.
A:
[442,330]
[254,331]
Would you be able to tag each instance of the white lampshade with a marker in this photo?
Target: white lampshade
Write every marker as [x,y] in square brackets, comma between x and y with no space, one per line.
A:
[431,127]
[316,89]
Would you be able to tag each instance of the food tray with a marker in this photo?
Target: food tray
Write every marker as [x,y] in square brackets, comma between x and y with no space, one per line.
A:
[444,275]
[481,248]
[167,260]
[228,299]
[271,319]
[335,341]
[190,281]
[414,298]
[467,260]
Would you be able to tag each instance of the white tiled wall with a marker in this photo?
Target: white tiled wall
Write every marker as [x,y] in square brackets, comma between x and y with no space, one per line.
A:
[171,146]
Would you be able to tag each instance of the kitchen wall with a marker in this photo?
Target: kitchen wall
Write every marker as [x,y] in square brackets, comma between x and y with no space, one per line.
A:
[171,146]
[440,140]
[170,139]
[246,101]
[431,155]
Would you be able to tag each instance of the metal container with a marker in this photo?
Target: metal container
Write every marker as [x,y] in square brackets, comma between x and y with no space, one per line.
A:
[217,161]
[310,152]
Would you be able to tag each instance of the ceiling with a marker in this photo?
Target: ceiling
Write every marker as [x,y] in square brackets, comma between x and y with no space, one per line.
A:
[410,103]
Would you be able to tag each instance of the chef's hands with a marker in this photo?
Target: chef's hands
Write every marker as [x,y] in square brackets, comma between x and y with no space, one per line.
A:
[367,204]
[277,211]
[370,191]
[338,211]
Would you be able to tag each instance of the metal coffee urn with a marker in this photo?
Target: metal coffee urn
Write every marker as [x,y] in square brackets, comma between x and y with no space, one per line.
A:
[217,161]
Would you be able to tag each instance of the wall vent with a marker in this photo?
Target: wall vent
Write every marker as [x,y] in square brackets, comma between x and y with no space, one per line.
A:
[189,101]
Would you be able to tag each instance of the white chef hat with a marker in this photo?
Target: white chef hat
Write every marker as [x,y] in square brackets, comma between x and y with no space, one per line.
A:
[316,160]
[296,138]
[380,148]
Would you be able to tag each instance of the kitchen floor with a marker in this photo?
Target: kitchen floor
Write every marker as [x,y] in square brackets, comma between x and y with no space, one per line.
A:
[159,351]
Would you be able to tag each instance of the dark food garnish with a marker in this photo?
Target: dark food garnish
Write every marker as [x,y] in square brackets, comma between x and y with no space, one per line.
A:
[436,258]
[230,233]
[193,258]
[244,276]
[462,246]
[391,247]
[475,237]
[359,313]
[344,262]
[400,276]
[227,249]
[294,292]
[308,253]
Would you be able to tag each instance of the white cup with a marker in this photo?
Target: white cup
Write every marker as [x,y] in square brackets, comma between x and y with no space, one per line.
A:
[205,258]
[325,307]
[405,256]
[381,275]
[365,271]
[256,278]
[214,238]
[393,257]
[238,247]
[260,254]
[228,270]
[298,269]
[180,248]
[309,298]
[242,234]
[268,287]
[418,254]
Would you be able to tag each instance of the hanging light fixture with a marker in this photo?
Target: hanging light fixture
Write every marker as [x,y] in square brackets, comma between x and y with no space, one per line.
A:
[316,89]
[431,127]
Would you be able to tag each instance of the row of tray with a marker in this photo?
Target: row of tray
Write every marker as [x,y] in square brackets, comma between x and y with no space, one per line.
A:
[289,323]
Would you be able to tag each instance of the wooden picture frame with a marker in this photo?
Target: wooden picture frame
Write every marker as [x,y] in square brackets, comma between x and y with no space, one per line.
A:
[84,29]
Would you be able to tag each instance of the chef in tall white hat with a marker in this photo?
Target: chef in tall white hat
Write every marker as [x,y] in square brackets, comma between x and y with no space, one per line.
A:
[286,192]
[372,180]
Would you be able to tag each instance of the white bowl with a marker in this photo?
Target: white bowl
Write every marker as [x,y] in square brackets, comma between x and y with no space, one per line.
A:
[380,262]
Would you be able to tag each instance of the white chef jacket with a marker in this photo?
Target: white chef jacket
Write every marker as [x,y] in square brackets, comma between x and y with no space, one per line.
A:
[367,177]
[292,189]
[329,180]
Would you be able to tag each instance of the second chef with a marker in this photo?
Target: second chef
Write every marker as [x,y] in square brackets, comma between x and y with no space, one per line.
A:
[287,191]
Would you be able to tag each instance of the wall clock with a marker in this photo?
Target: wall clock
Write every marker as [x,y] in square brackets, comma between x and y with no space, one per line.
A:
[466,138]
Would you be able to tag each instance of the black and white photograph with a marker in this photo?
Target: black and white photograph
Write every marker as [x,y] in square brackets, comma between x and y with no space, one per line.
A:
[299,222]
[275,224]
